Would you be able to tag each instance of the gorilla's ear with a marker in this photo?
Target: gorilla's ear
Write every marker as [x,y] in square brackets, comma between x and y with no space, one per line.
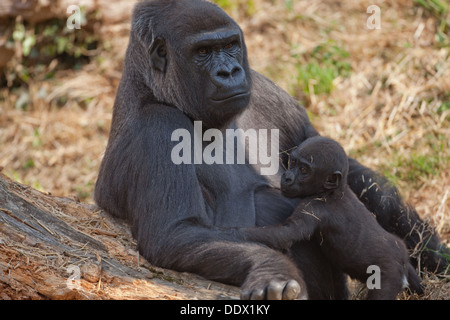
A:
[158,54]
[333,180]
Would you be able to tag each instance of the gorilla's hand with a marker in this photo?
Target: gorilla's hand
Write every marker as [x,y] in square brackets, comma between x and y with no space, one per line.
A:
[274,277]
[274,290]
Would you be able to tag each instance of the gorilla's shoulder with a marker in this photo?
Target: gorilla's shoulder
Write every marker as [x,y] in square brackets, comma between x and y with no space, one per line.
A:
[163,115]
[265,92]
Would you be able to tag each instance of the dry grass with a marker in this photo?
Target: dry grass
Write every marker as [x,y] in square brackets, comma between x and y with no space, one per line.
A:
[391,111]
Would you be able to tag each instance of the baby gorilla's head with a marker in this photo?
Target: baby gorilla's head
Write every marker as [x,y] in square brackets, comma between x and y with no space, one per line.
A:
[319,165]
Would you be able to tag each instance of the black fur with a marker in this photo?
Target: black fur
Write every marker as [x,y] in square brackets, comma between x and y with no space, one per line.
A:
[183,60]
[330,213]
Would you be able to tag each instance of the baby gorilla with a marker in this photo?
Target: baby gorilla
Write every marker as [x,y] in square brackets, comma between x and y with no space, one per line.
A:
[348,233]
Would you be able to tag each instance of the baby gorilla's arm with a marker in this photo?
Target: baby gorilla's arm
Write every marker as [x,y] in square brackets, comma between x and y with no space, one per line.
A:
[277,237]
[300,226]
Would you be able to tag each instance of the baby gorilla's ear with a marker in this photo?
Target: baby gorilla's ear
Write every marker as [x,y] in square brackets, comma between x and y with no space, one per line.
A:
[333,180]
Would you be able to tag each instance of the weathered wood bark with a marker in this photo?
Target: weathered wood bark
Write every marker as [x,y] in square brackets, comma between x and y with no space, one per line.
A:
[58,248]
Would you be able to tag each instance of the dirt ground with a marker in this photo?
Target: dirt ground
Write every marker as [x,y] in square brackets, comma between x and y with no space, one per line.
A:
[387,102]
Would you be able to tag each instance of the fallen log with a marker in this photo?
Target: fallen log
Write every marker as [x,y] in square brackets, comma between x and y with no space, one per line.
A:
[60,248]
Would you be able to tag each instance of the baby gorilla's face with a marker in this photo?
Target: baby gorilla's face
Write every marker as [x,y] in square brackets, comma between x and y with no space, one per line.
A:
[317,166]
[301,179]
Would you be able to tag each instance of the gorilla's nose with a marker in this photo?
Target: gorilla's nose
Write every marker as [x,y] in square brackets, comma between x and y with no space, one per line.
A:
[287,178]
[227,73]
[229,76]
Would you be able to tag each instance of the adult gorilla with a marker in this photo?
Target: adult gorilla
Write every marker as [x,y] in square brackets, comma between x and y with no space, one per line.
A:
[187,61]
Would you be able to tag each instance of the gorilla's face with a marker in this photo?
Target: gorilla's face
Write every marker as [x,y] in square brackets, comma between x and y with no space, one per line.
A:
[217,58]
[200,63]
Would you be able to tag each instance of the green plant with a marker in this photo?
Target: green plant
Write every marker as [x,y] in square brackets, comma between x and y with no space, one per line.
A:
[83,192]
[440,10]
[443,107]
[427,163]
[26,39]
[437,7]
[248,6]
[288,4]
[325,63]
[46,41]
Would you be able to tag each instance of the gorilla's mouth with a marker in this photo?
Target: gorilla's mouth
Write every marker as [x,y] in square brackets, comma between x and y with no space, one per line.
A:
[288,192]
[233,96]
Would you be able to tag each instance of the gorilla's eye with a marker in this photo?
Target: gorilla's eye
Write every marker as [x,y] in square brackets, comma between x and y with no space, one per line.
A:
[293,163]
[230,45]
[303,170]
[202,51]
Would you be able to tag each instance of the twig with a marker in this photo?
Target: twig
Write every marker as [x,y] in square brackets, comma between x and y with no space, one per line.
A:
[44,226]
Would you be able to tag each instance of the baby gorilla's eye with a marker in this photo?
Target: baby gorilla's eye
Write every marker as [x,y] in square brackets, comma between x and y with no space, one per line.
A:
[293,163]
[303,170]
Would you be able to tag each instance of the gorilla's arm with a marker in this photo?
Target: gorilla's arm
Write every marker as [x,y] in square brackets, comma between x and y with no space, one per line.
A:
[396,216]
[167,211]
